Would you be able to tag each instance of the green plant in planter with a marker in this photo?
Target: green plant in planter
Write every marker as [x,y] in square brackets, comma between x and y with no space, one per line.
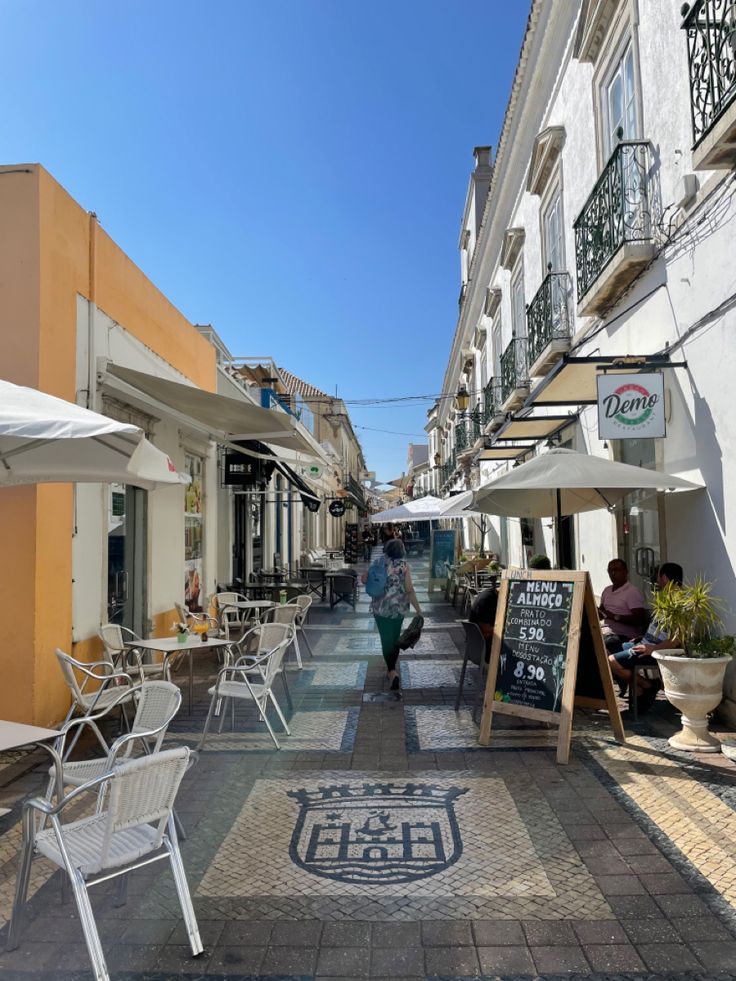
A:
[539,561]
[691,616]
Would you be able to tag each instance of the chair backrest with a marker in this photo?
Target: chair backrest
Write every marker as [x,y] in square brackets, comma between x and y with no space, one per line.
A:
[67,665]
[274,639]
[288,613]
[143,791]
[111,636]
[344,582]
[303,602]
[182,612]
[475,642]
[158,703]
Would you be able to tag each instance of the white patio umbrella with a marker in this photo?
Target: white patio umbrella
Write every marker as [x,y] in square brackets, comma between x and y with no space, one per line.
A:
[44,439]
[459,506]
[563,482]
[423,509]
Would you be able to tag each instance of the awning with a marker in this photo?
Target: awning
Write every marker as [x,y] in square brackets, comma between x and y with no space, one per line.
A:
[226,419]
[254,448]
[572,381]
[504,452]
[532,427]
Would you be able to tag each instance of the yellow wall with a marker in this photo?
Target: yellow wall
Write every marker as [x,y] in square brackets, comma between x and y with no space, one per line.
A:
[44,263]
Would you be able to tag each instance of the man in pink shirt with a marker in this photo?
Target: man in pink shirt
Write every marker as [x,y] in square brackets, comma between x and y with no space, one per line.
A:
[622,607]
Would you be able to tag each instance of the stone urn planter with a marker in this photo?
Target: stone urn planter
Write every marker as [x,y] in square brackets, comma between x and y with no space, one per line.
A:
[694,685]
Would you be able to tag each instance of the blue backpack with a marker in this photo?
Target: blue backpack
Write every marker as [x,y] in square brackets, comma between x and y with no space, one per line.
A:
[375,584]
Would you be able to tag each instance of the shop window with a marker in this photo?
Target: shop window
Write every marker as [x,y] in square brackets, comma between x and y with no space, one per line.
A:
[193,534]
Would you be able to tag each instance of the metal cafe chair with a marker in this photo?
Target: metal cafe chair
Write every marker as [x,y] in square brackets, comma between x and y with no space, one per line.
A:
[290,614]
[237,682]
[135,829]
[304,603]
[475,652]
[315,580]
[113,637]
[343,587]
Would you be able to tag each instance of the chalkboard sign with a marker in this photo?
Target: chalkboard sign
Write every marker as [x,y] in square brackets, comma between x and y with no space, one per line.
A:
[351,543]
[534,644]
[442,551]
[548,654]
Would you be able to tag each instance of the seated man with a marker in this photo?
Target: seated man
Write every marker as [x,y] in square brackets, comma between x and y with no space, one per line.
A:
[483,613]
[653,640]
[622,608]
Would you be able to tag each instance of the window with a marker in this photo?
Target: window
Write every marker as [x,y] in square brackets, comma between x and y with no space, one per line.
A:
[554,242]
[193,527]
[620,102]
[518,309]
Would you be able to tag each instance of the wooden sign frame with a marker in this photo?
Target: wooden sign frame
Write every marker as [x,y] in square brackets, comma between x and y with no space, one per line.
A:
[583,606]
[436,582]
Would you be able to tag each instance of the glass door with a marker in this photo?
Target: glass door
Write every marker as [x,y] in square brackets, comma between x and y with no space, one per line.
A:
[637,518]
[127,557]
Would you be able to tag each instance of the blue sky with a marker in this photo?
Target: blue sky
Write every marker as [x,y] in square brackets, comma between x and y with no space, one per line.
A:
[291,171]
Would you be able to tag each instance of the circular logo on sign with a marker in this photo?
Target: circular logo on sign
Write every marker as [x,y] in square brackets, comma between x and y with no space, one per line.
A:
[337,509]
[630,404]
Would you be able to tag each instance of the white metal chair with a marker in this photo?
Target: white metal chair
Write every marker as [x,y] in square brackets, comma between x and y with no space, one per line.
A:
[102,698]
[304,603]
[229,617]
[288,613]
[113,637]
[188,618]
[252,676]
[136,825]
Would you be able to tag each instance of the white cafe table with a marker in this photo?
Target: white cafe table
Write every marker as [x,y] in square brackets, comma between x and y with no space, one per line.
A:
[263,604]
[13,735]
[170,645]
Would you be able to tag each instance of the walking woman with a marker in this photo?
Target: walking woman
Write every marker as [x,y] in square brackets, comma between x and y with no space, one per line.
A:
[390,609]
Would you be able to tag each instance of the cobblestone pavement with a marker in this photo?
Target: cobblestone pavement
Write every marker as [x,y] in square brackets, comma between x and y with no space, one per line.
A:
[382,841]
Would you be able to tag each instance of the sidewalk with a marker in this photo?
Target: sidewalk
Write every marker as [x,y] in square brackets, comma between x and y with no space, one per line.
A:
[383,842]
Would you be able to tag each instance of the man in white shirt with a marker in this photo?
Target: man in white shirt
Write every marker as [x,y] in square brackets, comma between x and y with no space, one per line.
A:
[622,608]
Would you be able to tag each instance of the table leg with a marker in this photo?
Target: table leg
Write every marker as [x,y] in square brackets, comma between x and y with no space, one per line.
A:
[190,652]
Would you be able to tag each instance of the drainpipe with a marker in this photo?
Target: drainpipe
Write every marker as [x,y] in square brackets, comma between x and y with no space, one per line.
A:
[91,315]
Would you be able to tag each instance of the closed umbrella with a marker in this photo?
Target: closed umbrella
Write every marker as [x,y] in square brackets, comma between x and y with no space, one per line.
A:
[563,482]
[44,439]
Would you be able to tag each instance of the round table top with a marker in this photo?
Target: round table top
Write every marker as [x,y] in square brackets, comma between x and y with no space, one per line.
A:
[170,644]
[248,604]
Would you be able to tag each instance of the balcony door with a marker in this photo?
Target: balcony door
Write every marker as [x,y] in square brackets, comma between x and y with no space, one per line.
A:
[621,102]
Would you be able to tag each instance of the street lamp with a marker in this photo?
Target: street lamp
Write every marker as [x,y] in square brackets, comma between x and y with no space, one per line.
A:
[437,459]
[462,398]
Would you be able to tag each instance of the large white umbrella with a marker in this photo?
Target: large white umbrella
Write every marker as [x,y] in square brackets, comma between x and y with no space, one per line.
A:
[44,439]
[422,509]
[564,482]
[459,506]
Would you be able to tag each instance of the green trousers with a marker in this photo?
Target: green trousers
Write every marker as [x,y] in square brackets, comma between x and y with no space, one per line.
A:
[389,629]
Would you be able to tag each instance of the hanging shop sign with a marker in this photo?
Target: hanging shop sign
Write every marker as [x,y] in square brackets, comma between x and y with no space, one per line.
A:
[548,654]
[337,509]
[311,504]
[313,470]
[631,406]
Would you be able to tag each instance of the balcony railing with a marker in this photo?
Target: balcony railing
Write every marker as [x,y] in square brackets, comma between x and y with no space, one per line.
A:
[461,297]
[491,400]
[514,367]
[711,53]
[616,213]
[548,316]
[461,437]
[476,421]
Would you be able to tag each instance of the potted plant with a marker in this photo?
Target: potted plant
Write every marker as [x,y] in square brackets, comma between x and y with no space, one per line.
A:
[693,668]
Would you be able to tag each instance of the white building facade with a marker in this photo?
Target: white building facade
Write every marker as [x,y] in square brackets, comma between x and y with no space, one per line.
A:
[606,239]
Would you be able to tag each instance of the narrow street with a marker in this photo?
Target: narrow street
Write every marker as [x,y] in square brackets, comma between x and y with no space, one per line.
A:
[381,841]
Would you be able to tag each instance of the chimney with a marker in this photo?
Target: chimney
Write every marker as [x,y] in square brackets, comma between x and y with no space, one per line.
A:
[482,156]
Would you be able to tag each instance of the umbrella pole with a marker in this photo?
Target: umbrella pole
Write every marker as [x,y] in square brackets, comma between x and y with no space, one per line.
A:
[558,529]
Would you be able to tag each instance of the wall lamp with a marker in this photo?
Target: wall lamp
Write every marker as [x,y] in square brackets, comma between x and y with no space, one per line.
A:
[462,398]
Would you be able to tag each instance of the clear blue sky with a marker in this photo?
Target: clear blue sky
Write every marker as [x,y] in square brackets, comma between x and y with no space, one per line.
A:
[291,171]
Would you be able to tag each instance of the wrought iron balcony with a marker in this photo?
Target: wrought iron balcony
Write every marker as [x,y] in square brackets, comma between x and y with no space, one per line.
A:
[491,400]
[614,225]
[462,442]
[549,321]
[710,26]
[475,423]
[461,297]
[514,373]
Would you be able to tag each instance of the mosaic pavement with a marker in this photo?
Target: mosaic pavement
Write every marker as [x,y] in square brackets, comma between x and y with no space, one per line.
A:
[382,841]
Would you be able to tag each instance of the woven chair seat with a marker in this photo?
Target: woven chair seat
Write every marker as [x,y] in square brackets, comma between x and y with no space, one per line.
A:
[111,694]
[238,689]
[83,840]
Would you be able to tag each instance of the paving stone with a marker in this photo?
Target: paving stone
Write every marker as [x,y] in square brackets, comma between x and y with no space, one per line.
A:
[289,960]
[344,962]
[651,931]
[452,961]
[296,933]
[682,906]
[147,931]
[498,933]
[667,957]
[395,962]
[209,932]
[505,960]
[664,884]
[619,885]
[634,907]
[549,934]
[717,955]
[700,929]
[613,957]
[559,959]
[246,933]
[178,960]
[600,932]
[445,933]
[396,934]
[346,934]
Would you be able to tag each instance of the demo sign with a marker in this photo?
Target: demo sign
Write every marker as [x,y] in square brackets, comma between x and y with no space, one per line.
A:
[631,406]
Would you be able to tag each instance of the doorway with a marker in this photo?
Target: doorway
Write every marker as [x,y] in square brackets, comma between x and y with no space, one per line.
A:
[127,555]
[637,518]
